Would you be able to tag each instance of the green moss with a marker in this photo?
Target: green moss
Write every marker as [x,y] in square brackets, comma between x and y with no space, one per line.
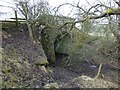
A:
[6,69]
[112,10]
[41,61]
[10,84]
[109,11]
[72,42]
[47,39]
[17,64]
[52,42]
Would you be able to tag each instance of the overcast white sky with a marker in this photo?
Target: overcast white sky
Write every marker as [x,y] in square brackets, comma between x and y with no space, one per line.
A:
[64,10]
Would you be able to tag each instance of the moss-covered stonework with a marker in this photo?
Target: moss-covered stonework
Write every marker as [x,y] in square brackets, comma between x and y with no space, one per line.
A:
[41,61]
[62,41]
[71,42]
[48,37]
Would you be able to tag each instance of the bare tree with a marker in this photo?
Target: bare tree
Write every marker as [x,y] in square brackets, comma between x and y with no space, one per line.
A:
[32,13]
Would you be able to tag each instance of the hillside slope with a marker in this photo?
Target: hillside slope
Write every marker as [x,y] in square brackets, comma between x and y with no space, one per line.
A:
[19,69]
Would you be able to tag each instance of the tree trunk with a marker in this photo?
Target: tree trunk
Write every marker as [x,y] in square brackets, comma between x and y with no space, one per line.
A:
[16,17]
[30,31]
[117,35]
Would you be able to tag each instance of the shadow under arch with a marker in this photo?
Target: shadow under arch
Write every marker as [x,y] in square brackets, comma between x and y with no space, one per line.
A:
[58,41]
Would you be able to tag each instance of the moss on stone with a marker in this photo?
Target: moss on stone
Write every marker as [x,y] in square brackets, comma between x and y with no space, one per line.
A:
[41,61]
[72,42]
[47,40]
[68,44]
[6,69]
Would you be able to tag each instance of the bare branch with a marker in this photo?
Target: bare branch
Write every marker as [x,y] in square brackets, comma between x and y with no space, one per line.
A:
[117,12]
[70,5]
[117,2]
[7,6]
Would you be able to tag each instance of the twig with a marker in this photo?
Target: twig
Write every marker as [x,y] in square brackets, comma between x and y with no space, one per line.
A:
[98,73]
